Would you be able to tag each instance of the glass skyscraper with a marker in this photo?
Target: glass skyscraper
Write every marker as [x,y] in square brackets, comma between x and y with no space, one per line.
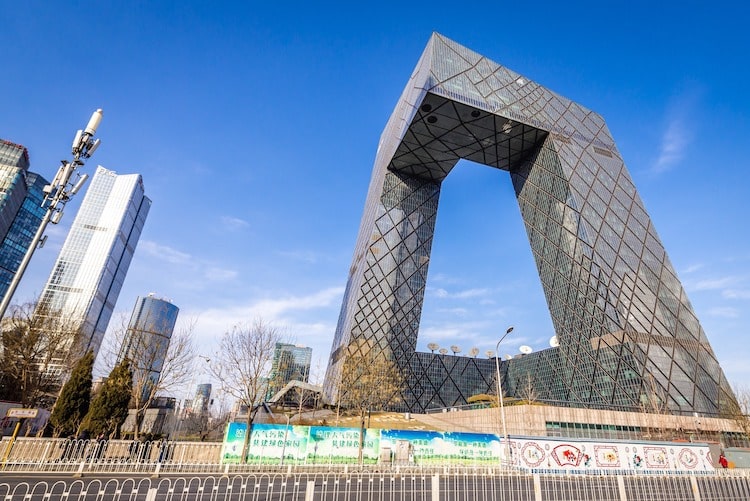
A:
[199,405]
[627,333]
[147,340]
[21,209]
[89,271]
[290,362]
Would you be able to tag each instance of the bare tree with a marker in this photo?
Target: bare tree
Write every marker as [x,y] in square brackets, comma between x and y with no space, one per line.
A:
[111,344]
[740,413]
[369,380]
[38,352]
[527,391]
[159,364]
[312,398]
[242,366]
[318,372]
[176,368]
[208,425]
[305,398]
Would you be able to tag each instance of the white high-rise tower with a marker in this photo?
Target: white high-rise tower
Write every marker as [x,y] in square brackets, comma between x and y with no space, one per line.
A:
[89,272]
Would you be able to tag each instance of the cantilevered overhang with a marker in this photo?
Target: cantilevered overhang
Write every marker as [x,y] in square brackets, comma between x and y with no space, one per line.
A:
[444,131]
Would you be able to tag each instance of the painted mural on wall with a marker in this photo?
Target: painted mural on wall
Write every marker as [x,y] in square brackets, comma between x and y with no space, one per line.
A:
[433,447]
[270,443]
[542,453]
[299,444]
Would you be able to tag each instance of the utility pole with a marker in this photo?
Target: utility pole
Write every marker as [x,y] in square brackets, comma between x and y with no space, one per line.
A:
[57,194]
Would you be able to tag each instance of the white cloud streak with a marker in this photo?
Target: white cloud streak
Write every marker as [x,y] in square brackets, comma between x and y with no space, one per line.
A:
[303,256]
[464,294]
[674,141]
[233,223]
[692,269]
[714,284]
[736,294]
[212,323]
[679,132]
[724,312]
[187,264]
[163,252]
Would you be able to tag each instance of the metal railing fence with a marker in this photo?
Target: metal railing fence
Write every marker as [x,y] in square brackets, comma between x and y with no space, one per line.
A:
[163,457]
[465,485]
[50,454]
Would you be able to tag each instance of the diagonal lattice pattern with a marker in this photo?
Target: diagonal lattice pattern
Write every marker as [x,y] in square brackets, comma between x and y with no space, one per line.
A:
[628,335]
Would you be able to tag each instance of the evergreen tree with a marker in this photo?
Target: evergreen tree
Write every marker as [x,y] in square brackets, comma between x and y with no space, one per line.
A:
[110,406]
[73,403]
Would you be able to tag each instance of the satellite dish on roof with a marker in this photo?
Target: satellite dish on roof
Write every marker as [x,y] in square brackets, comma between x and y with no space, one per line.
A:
[474,352]
[489,353]
[508,357]
[553,342]
[443,351]
[432,347]
[525,349]
[455,349]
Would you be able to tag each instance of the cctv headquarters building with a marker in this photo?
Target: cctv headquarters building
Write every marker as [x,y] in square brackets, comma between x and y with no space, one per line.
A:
[626,330]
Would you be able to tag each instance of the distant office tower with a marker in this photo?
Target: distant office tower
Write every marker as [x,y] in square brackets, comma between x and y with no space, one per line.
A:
[147,341]
[20,209]
[290,362]
[202,399]
[88,274]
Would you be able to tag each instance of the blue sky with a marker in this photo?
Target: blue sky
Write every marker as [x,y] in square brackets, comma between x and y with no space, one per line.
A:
[255,128]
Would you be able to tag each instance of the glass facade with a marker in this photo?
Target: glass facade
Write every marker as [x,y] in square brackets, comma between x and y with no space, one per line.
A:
[89,271]
[14,163]
[21,209]
[628,336]
[202,399]
[147,340]
[290,362]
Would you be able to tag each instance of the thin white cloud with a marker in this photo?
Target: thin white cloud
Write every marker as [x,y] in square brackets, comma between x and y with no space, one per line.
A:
[456,332]
[163,252]
[736,294]
[692,268]
[674,141]
[679,130]
[215,274]
[464,294]
[469,293]
[442,278]
[724,312]
[276,307]
[233,223]
[187,263]
[435,334]
[303,256]
[453,311]
[280,312]
[714,284]
[270,309]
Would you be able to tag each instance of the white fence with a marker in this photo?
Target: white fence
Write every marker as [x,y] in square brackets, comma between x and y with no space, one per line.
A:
[462,485]
[192,471]
[79,456]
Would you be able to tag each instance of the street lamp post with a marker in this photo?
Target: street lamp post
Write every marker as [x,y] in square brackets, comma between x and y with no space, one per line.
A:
[500,392]
[57,194]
